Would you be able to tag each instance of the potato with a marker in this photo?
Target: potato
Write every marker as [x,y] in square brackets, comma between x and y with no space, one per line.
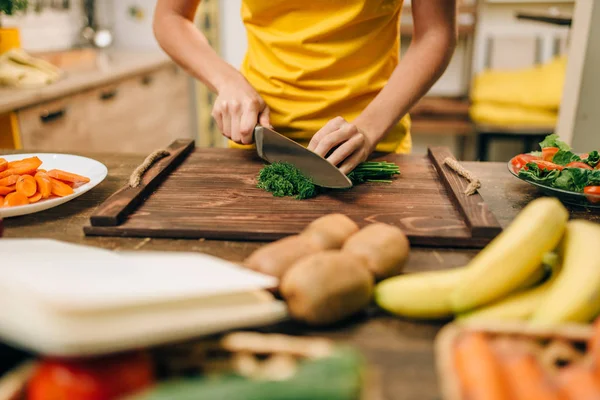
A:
[277,257]
[331,231]
[385,247]
[327,287]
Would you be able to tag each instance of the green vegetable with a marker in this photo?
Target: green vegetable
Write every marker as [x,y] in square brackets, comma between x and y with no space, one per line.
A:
[538,175]
[563,157]
[9,7]
[593,159]
[283,179]
[593,178]
[573,179]
[338,377]
[554,141]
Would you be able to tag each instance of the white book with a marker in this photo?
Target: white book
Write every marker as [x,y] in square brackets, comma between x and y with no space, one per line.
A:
[63,299]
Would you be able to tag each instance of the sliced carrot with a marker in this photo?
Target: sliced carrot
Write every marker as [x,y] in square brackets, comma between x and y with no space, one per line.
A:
[579,382]
[15,199]
[44,184]
[9,180]
[22,161]
[478,369]
[4,190]
[40,170]
[35,198]
[526,379]
[26,185]
[67,176]
[25,168]
[1,201]
[3,164]
[60,189]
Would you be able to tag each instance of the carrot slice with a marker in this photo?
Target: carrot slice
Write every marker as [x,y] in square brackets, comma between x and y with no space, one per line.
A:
[526,378]
[579,382]
[22,161]
[9,180]
[67,176]
[44,184]
[60,189]
[1,201]
[3,164]
[25,168]
[35,198]
[4,190]
[478,369]
[15,199]
[26,185]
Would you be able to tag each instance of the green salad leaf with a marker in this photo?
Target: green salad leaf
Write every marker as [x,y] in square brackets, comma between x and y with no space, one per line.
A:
[534,173]
[572,179]
[593,178]
[554,141]
[593,159]
[563,157]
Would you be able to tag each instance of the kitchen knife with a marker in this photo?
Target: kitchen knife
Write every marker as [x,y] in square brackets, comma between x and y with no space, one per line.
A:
[274,147]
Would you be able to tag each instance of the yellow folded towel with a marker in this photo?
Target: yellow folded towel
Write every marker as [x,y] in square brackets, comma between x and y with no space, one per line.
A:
[20,70]
[510,115]
[538,87]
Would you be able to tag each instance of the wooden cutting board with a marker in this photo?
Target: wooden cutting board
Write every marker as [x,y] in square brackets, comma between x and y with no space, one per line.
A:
[211,193]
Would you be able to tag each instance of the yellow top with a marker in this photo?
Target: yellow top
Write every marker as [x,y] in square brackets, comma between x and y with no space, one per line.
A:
[313,60]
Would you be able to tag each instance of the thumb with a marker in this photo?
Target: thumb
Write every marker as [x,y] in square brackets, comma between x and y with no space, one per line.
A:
[265,118]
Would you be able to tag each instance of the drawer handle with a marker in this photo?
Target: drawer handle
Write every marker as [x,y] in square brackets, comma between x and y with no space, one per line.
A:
[48,117]
[147,80]
[108,95]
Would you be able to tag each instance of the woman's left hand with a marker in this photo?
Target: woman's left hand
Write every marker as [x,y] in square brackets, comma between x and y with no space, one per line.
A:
[352,146]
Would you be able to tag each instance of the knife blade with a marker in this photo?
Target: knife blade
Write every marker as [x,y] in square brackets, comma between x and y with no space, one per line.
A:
[274,147]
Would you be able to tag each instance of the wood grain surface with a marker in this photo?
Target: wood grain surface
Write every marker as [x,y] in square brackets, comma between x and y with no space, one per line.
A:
[477,215]
[213,195]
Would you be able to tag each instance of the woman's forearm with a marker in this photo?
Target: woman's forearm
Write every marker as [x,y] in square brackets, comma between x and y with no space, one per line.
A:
[176,33]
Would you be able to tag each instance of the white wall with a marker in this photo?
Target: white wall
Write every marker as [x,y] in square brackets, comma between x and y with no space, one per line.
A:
[233,34]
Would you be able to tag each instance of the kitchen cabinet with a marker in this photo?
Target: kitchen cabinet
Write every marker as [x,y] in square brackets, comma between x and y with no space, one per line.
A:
[137,114]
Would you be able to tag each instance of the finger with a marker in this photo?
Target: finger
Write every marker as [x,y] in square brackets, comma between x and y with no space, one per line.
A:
[218,117]
[330,126]
[226,120]
[235,116]
[351,162]
[346,132]
[264,118]
[247,124]
[345,150]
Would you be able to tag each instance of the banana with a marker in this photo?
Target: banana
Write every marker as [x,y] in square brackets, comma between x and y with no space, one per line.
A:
[426,295]
[516,307]
[575,295]
[502,266]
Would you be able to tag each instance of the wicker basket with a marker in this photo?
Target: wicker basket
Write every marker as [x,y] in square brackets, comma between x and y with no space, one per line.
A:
[575,334]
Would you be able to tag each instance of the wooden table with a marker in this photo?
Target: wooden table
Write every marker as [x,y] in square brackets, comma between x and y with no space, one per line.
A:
[400,351]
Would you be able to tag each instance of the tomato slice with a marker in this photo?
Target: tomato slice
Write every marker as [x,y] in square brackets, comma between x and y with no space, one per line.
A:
[592,193]
[521,160]
[578,164]
[103,378]
[549,152]
[547,165]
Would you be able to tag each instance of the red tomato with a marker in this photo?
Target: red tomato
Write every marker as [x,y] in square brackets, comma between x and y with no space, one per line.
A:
[103,378]
[584,156]
[521,160]
[578,164]
[549,152]
[592,193]
[547,165]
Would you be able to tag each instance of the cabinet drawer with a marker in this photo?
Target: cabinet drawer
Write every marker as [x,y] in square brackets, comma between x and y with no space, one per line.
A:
[58,125]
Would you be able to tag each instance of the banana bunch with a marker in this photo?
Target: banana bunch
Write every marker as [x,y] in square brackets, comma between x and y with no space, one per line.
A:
[543,268]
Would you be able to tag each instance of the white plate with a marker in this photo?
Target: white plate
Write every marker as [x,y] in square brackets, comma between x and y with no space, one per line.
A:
[93,169]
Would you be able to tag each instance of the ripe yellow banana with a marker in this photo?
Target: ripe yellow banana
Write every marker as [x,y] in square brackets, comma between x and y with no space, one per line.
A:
[516,307]
[575,295]
[426,295]
[507,262]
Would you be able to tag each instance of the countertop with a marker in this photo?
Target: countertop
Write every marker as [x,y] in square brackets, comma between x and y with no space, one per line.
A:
[399,351]
[111,65]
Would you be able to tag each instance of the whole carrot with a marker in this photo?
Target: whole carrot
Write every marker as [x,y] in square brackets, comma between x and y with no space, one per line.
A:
[526,378]
[579,383]
[593,348]
[478,369]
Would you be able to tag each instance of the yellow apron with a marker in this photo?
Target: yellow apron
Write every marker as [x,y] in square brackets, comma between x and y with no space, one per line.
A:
[313,60]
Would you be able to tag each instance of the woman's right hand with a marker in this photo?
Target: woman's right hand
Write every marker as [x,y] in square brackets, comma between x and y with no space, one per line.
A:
[237,110]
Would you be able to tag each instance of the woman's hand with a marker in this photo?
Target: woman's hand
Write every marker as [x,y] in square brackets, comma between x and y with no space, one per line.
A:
[237,110]
[352,146]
